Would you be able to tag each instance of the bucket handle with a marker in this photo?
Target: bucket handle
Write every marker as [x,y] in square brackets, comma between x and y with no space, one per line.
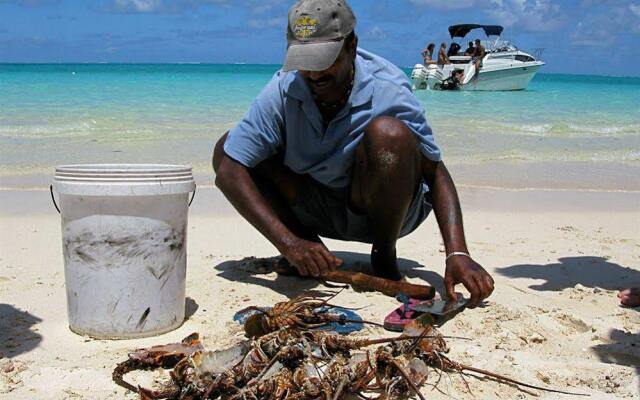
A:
[193,196]
[53,199]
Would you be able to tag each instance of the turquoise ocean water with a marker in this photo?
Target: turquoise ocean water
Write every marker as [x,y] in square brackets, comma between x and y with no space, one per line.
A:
[76,113]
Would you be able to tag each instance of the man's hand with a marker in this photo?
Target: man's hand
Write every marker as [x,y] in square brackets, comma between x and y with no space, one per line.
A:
[462,269]
[310,258]
[446,206]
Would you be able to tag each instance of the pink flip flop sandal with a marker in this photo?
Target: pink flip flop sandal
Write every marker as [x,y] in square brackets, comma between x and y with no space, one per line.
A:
[398,318]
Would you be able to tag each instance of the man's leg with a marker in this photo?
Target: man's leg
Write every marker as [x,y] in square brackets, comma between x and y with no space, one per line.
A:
[278,185]
[386,175]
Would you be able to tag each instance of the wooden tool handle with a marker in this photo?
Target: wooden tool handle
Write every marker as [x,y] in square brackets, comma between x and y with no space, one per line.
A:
[386,286]
[366,282]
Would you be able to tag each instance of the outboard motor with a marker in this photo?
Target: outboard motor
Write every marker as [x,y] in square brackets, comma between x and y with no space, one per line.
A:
[419,76]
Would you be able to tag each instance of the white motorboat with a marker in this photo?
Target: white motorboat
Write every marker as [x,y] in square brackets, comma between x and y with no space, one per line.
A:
[504,67]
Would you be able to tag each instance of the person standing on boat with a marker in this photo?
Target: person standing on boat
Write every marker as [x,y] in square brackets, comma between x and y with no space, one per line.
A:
[427,54]
[337,145]
[442,55]
[478,55]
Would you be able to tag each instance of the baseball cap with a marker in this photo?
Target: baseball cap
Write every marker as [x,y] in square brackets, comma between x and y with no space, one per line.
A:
[316,33]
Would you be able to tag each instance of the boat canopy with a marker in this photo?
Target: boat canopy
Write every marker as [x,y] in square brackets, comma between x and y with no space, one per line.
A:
[463,29]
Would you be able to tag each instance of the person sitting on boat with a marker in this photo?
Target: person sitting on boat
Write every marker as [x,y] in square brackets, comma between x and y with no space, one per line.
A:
[427,54]
[478,55]
[442,55]
[454,48]
[337,145]
[470,50]
[453,82]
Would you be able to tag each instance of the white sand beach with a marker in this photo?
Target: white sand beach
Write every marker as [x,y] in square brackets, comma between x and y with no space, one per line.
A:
[558,259]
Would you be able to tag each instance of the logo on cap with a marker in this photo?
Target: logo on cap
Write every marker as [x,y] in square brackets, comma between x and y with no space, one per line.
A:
[304,27]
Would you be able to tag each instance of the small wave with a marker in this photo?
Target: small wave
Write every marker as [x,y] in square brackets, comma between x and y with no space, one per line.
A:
[544,129]
[49,130]
[605,129]
[544,189]
[536,128]
[97,130]
[631,156]
[570,129]
[549,155]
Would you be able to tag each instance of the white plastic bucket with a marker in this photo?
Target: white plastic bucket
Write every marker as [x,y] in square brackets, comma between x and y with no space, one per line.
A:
[124,237]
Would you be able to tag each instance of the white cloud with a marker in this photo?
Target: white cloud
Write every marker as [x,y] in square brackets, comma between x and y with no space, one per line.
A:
[592,34]
[635,22]
[266,14]
[141,6]
[600,29]
[29,3]
[530,15]
[445,5]
[264,23]
[376,33]
[162,6]
[264,6]
[261,13]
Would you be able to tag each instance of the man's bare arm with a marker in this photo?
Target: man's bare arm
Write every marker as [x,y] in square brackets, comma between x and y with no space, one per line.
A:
[446,206]
[236,183]
[234,180]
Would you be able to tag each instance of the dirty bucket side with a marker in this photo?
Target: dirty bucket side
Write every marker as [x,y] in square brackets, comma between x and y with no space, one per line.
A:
[125,257]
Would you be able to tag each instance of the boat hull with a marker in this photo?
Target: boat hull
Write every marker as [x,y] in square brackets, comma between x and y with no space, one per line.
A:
[504,79]
[490,78]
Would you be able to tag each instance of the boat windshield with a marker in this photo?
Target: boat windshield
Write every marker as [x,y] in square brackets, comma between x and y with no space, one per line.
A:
[500,45]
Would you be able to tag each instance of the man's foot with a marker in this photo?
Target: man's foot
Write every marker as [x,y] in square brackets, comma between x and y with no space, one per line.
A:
[630,297]
[385,264]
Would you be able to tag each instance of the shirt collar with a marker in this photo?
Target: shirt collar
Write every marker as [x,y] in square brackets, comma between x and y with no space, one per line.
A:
[361,93]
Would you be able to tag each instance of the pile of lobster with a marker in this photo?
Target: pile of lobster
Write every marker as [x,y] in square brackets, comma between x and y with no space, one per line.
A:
[287,360]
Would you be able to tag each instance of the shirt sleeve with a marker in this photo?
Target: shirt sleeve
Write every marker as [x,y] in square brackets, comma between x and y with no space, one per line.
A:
[402,104]
[258,135]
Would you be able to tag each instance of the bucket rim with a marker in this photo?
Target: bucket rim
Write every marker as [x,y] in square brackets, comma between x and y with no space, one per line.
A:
[123,179]
[122,168]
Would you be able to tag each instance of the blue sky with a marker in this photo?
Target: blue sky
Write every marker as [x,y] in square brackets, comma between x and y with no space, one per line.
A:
[579,36]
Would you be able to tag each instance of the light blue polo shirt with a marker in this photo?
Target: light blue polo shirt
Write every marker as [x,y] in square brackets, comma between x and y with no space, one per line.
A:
[284,118]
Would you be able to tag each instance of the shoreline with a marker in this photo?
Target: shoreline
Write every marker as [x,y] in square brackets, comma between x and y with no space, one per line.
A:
[580,176]
[209,201]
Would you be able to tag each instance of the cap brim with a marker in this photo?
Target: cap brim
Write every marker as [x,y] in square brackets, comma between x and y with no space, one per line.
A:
[312,56]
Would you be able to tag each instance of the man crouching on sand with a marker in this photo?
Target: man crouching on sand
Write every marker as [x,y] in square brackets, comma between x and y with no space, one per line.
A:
[336,145]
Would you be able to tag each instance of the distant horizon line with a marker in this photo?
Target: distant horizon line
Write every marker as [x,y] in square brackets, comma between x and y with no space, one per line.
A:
[249,64]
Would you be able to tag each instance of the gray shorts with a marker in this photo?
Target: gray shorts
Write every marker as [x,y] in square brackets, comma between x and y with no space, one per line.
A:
[326,211]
